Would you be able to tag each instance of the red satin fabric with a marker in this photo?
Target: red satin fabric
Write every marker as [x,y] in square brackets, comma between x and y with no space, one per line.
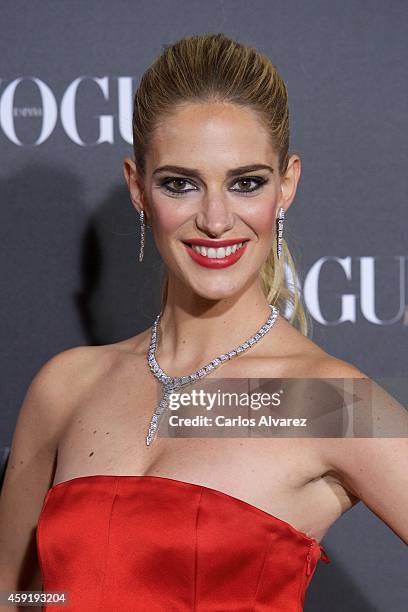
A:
[149,543]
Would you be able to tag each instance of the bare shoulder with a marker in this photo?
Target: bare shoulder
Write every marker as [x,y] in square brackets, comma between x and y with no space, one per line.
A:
[291,354]
[63,378]
[370,463]
[46,408]
[70,370]
[73,371]
[81,365]
[328,366]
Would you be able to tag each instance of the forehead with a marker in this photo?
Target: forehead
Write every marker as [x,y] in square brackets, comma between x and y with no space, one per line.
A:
[213,134]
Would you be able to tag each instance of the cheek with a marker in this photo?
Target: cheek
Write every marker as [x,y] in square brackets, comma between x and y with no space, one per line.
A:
[260,213]
[262,220]
[166,220]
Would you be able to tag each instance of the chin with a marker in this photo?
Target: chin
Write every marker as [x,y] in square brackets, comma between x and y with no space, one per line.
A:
[217,292]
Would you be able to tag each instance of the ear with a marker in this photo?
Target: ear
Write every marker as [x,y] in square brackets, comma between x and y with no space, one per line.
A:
[289,182]
[135,186]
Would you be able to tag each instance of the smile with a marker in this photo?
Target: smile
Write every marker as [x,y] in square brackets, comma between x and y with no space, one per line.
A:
[216,257]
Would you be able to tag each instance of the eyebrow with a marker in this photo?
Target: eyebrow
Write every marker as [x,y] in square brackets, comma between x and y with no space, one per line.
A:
[197,174]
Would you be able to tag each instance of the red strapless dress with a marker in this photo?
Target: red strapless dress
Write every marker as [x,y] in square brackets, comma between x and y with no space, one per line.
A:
[149,543]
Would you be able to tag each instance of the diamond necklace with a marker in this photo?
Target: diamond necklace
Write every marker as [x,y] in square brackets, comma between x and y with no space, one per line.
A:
[170,383]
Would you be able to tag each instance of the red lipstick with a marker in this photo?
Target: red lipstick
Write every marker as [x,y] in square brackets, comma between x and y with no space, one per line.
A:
[215,262]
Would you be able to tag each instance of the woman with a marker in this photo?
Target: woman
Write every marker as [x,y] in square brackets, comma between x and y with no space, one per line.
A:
[136,521]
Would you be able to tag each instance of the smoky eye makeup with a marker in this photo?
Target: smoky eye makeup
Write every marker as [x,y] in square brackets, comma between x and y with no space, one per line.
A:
[175,185]
[258,180]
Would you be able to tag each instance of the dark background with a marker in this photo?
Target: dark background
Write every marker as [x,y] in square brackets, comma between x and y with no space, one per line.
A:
[69,237]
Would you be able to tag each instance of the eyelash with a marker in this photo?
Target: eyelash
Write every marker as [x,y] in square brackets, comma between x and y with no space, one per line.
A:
[258,180]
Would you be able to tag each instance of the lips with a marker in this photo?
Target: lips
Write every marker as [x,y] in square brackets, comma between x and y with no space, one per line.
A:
[216,253]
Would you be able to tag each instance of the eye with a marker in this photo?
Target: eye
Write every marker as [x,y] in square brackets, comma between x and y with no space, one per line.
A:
[244,181]
[247,180]
[177,181]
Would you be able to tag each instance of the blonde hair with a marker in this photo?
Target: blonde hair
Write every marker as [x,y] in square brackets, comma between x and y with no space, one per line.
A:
[212,67]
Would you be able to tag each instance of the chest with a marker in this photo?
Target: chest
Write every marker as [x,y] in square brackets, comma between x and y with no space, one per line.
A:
[106,432]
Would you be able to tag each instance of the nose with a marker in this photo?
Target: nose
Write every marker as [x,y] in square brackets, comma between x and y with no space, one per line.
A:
[215,217]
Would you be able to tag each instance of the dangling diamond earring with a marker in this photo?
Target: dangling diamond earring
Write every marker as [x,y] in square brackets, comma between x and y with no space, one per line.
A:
[142,235]
[281,219]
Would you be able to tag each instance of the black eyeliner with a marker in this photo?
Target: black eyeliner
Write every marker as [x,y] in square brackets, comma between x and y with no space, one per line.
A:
[260,181]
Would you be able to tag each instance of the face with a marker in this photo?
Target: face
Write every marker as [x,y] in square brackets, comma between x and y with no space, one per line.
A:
[212,176]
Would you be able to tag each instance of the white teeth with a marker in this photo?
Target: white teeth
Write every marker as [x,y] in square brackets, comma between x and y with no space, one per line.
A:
[219,253]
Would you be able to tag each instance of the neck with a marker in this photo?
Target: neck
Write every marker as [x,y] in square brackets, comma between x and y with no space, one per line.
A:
[194,330]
